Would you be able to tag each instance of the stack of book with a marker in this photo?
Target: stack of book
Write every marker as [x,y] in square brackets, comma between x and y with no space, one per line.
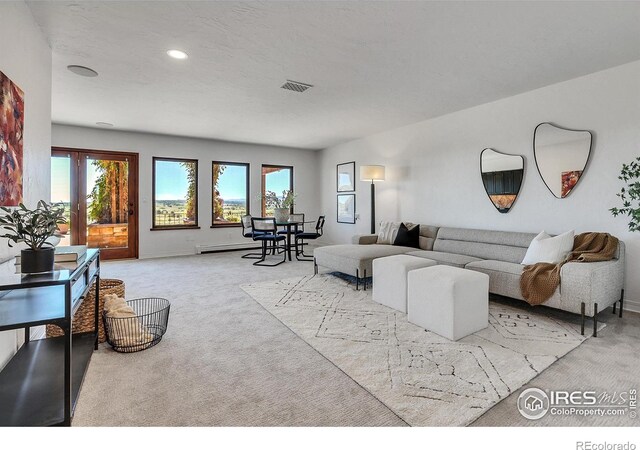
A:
[71,253]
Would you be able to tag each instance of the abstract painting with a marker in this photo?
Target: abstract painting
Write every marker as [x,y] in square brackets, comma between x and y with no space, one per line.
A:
[569,181]
[11,146]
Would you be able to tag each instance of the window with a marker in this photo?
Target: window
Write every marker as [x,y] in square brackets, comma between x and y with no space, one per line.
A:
[175,193]
[230,194]
[275,179]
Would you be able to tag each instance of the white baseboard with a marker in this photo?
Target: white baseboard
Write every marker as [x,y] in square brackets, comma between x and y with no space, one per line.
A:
[630,305]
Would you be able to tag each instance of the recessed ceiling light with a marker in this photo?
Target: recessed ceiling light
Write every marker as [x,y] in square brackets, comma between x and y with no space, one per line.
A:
[82,71]
[104,124]
[177,54]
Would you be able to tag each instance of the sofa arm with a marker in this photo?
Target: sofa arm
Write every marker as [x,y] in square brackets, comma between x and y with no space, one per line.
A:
[364,239]
[594,282]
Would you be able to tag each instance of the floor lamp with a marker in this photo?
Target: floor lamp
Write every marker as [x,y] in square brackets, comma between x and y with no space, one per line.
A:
[372,173]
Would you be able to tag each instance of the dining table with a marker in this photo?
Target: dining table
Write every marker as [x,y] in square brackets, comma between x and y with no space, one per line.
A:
[291,227]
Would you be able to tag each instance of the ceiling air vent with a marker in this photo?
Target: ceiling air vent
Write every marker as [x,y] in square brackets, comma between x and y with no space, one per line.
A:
[296,86]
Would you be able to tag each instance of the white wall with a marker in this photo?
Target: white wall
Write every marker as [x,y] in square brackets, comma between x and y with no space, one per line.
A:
[433,172]
[25,57]
[183,242]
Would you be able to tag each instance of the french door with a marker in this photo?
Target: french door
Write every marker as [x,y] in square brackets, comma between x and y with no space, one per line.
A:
[100,192]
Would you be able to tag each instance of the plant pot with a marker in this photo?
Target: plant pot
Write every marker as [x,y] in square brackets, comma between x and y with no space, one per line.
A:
[281,214]
[36,261]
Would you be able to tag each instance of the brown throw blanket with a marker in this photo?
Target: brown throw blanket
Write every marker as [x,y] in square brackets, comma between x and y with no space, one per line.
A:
[539,281]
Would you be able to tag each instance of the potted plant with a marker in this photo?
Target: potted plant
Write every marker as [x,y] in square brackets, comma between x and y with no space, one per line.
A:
[33,227]
[281,205]
[630,194]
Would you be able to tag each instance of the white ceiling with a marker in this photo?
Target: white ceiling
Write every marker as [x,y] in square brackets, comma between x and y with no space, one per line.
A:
[374,65]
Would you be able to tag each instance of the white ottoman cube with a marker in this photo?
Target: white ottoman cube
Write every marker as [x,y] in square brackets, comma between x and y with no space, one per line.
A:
[390,279]
[449,301]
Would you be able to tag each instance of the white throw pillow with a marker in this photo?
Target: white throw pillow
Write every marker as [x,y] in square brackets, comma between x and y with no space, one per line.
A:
[544,248]
[388,232]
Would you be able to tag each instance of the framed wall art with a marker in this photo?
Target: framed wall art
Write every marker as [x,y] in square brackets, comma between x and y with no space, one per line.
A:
[346,208]
[346,177]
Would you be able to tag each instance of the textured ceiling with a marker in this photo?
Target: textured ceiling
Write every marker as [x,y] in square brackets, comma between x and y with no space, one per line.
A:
[374,65]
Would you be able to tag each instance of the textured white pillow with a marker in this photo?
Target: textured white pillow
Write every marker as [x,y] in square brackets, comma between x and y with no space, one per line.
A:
[544,248]
[388,232]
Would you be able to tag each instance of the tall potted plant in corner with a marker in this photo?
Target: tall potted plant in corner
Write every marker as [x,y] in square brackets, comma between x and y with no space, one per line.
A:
[630,194]
[33,227]
[281,205]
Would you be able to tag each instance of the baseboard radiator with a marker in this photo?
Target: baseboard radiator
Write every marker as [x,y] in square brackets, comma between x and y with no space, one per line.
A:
[212,248]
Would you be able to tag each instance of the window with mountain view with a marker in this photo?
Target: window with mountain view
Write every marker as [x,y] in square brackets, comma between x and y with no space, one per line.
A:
[175,193]
[230,194]
[277,179]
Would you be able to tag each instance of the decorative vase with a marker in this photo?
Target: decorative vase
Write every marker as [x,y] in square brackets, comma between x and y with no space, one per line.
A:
[36,261]
[281,214]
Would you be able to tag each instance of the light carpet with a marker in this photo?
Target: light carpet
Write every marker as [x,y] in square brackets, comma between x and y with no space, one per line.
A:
[424,378]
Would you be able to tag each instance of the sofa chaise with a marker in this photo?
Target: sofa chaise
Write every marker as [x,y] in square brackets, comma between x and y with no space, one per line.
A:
[585,288]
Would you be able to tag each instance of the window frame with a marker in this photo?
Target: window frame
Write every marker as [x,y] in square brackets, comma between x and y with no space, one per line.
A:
[263,182]
[155,227]
[247,193]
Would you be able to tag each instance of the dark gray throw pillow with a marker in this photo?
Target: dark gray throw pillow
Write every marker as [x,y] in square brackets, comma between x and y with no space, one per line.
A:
[408,237]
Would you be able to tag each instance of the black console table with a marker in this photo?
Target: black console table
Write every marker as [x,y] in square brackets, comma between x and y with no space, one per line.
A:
[40,385]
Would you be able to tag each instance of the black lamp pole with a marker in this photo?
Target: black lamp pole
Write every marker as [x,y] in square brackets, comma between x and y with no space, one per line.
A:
[373,208]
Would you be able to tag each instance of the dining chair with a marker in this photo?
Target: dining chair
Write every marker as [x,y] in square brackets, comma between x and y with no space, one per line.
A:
[264,230]
[247,232]
[301,237]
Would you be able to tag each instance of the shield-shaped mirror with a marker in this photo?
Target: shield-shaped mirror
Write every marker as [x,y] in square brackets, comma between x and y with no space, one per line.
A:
[561,156]
[502,176]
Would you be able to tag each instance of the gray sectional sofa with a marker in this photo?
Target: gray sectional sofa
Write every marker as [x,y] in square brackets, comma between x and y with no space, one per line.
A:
[585,288]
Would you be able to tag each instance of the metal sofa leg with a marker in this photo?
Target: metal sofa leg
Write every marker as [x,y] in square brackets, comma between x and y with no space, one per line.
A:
[315,267]
[364,280]
[595,320]
[582,308]
[621,302]
[357,279]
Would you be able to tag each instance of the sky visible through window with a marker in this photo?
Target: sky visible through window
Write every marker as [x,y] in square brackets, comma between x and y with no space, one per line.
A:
[171,181]
[232,183]
[278,181]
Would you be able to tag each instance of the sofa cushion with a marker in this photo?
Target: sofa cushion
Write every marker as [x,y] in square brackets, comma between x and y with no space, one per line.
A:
[450,259]
[484,244]
[388,232]
[547,249]
[408,237]
[504,277]
[347,258]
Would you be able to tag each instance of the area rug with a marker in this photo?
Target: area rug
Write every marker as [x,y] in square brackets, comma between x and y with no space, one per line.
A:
[424,378]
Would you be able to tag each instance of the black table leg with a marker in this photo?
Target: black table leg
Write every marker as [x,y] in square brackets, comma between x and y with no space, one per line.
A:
[289,242]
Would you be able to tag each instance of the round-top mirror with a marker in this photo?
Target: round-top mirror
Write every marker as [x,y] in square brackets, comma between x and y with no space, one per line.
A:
[502,176]
[561,156]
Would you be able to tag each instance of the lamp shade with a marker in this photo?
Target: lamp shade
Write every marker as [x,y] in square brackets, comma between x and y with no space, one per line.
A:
[371,173]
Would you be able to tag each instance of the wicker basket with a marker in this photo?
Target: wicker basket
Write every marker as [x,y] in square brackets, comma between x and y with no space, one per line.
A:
[83,320]
[132,334]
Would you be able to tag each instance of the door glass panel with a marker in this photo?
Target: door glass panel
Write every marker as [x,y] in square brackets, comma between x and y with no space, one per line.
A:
[107,203]
[61,193]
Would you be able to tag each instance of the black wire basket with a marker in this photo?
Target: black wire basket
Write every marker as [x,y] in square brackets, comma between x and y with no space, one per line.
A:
[133,334]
